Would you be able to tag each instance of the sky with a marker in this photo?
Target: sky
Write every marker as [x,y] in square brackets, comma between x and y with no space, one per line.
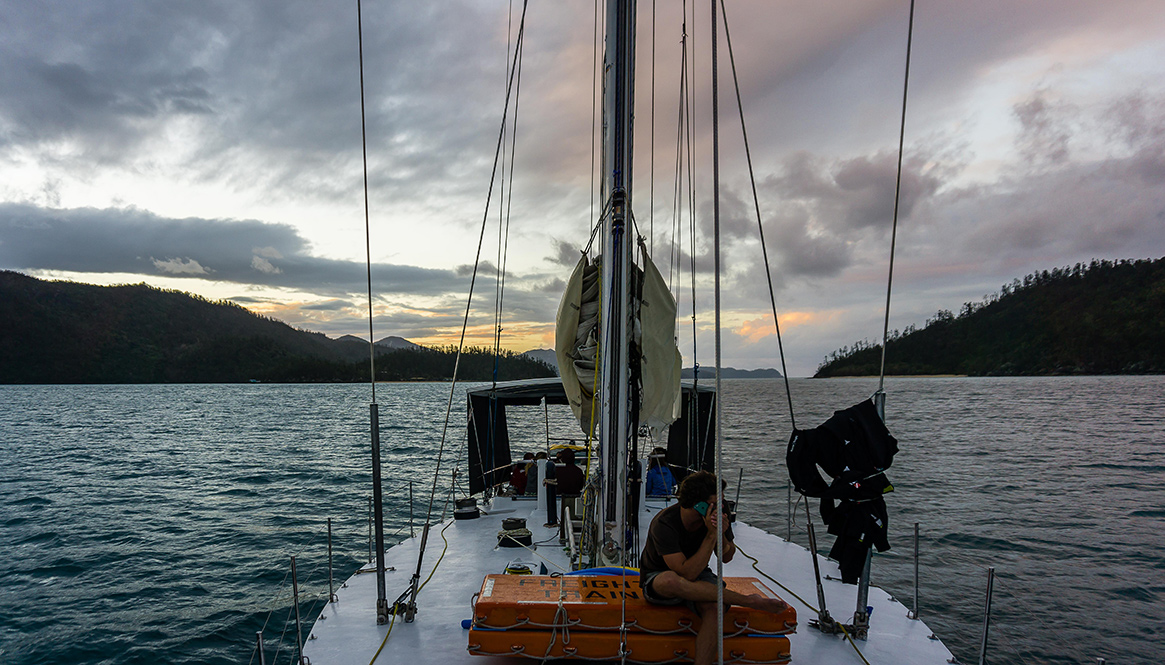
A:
[215,148]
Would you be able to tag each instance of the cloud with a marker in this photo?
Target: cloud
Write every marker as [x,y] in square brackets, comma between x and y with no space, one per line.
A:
[125,240]
[1032,142]
[565,253]
[1044,135]
[335,305]
[263,265]
[180,266]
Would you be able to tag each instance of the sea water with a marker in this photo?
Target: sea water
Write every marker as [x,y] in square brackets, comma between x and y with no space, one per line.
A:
[146,524]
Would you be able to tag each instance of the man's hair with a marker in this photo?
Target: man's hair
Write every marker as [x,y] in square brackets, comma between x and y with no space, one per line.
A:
[696,487]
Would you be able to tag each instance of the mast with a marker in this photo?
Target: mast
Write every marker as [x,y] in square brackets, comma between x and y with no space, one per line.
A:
[615,391]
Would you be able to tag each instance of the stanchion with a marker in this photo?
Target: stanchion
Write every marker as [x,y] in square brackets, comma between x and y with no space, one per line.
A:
[914,613]
[295,600]
[331,584]
[986,616]
[789,511]
[861,612]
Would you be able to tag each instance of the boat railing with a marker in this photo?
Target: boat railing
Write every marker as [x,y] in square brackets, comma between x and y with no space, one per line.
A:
[567,533]
[308,584]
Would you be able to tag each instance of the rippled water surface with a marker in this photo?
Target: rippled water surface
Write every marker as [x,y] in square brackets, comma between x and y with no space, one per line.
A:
[146,524]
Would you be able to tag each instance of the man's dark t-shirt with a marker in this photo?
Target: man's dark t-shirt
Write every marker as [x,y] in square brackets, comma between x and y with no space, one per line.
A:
[570,480]
[667,535]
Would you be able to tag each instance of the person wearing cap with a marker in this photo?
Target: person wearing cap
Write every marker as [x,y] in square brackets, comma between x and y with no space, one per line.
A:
[660,481]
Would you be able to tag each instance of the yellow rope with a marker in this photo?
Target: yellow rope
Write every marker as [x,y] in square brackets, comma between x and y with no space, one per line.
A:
[803,601]
[391,623]
[382,642]
[774,581]
[443,551]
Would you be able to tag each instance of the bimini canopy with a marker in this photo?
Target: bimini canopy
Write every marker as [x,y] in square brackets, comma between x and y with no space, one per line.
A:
[690,440]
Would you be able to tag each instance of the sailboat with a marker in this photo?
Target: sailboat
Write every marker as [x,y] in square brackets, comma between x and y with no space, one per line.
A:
[539,576]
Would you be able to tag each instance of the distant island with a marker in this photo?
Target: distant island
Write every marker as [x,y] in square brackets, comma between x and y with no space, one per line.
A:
[1106,317]
[730,373]
[547,356]
[67,332]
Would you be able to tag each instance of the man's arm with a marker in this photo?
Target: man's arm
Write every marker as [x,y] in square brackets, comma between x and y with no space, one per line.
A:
[729,550]
[713,521]
[690,567]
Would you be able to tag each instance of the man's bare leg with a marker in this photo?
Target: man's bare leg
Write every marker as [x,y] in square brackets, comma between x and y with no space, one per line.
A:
[670,585]
[706,636]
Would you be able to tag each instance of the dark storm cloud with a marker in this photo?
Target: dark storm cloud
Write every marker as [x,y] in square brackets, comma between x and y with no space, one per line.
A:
[328,306]
[816,210]
[272,89]
[851,195]
[565,253]
[101,76]
[244,252]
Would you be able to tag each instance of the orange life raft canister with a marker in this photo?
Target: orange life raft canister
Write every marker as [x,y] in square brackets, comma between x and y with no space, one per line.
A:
[641,647]
[596,603]
[580,617]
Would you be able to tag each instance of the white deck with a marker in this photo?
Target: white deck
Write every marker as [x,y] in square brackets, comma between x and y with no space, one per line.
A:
[346,631]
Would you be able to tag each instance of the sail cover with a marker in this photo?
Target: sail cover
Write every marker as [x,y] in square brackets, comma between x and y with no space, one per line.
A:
[661,362]
[577,335]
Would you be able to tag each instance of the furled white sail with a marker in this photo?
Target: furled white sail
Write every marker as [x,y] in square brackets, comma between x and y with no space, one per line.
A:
[661,362]
[576,339]
[576,343]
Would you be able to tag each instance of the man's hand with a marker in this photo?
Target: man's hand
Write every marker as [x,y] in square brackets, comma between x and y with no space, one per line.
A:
[714,522]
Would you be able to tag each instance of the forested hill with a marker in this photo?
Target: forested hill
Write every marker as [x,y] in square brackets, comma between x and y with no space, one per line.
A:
[67,332]
[1102,318]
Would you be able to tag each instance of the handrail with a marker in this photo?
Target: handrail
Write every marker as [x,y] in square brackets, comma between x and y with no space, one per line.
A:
[568,526]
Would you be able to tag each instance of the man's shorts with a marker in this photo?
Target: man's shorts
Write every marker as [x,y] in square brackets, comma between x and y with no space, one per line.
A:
[705,575]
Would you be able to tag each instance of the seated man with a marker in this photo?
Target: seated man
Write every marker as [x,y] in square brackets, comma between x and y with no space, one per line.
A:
[518,478]
[659,479]
[674,565]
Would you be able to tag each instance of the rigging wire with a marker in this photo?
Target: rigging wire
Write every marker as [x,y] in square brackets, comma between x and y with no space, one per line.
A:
[897,195]
[594,104]
[719,405]
[505,203]
[690,120]
[497,329]
[367,232]
[651,192]
[756,204]
[469,300]
[675,252]
[684,167]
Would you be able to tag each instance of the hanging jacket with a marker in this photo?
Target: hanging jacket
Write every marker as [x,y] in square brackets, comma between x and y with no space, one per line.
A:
[853,447]
[857,525]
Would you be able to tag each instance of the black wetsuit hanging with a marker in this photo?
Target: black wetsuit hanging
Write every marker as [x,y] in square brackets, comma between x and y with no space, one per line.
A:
[853,448]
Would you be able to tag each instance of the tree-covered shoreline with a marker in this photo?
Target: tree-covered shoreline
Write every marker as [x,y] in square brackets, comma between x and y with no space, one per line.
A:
[1105,317]
[73,333]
